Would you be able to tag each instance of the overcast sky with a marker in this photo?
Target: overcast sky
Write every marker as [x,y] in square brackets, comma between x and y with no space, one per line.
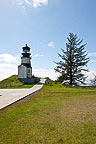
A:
[44,25]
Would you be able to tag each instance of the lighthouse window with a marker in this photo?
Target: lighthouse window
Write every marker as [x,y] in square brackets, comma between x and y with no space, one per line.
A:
[28,70]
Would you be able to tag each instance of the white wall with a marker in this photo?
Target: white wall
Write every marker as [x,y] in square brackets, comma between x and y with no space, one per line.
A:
[22,72]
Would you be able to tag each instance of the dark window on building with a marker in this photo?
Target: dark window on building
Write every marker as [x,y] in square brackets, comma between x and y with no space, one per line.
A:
[28,70]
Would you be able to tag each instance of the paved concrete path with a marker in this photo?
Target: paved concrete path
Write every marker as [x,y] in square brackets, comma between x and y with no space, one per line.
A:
[9,96]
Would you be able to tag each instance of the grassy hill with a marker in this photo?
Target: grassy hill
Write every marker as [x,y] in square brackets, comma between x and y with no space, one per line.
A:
[11,79]
[54,115]
[13,82]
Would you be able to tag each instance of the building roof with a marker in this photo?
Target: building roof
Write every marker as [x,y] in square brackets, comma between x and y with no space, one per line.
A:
[26,65]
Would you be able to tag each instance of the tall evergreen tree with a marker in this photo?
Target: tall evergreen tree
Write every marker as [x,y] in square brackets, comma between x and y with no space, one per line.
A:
[73,61]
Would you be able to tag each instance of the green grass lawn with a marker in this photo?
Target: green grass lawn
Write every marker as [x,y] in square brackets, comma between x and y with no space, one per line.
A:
[54,115]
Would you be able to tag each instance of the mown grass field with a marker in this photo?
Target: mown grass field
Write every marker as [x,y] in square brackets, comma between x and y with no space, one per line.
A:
[54,115]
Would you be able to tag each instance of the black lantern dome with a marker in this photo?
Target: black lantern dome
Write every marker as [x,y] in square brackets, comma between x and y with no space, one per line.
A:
[26,49]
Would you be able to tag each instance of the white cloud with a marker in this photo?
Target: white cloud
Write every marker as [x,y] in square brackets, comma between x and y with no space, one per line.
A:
[8,58]
[33,3]
[45,73]
[92,54]
[92,61]
[8,65]
[7,70]
[90,75]
[51,44]
[37,55]
[38,3]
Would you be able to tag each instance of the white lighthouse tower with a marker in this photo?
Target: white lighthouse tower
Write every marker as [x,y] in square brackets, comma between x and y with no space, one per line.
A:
[25,69]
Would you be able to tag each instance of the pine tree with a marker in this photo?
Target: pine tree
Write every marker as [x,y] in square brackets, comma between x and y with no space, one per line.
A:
[73,61]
